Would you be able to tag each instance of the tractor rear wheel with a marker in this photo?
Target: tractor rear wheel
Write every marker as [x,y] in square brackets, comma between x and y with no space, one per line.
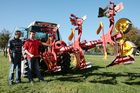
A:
[65,63]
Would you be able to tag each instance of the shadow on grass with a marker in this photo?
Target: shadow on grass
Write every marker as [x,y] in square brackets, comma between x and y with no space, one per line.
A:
[132,83]
[72,71]
[73,75]
[111,81]
[71,78]
[105,77]
[113,76]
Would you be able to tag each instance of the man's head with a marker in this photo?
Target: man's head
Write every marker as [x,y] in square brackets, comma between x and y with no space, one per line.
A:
[17,34]
[32,34]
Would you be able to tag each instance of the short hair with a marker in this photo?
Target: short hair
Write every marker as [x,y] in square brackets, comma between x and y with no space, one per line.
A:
[17,31]
[32,31]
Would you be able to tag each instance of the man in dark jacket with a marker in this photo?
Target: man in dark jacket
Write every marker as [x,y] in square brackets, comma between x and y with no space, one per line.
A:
[14,54]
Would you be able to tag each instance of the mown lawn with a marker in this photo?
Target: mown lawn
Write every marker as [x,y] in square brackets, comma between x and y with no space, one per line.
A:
[117,79]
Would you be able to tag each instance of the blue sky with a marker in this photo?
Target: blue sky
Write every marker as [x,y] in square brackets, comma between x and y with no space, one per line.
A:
[20,13]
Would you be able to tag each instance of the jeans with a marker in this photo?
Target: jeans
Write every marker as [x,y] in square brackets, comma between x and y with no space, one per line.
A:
[15,64]
[33,66]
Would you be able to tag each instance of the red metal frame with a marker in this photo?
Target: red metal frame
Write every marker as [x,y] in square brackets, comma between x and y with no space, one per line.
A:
[59,48]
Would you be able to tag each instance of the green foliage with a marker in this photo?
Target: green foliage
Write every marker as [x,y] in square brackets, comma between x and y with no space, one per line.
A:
[134,36]
[117,79]
[4,37]
[98,50]
[111,49]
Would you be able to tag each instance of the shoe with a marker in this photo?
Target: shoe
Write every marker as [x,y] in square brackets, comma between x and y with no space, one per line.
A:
[18,82]
[11,83]
[32,83]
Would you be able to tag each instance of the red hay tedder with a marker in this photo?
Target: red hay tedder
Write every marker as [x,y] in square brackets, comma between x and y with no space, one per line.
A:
[57,56]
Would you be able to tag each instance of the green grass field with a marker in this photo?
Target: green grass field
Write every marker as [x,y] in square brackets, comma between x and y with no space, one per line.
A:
[117,79]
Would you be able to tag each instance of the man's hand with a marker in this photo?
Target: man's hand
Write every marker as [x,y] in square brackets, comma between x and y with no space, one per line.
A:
[9,55]
[31,55]
[10,60]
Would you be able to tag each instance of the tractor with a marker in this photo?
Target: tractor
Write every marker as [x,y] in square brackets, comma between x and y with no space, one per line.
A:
[51,59]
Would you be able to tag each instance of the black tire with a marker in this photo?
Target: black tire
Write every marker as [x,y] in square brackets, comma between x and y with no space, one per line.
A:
[43,67]
[65,63]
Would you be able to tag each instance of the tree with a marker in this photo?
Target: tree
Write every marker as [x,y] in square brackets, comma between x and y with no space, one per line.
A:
[98,50]
[134,36]
[111,49]
[4,37]
[138,43]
